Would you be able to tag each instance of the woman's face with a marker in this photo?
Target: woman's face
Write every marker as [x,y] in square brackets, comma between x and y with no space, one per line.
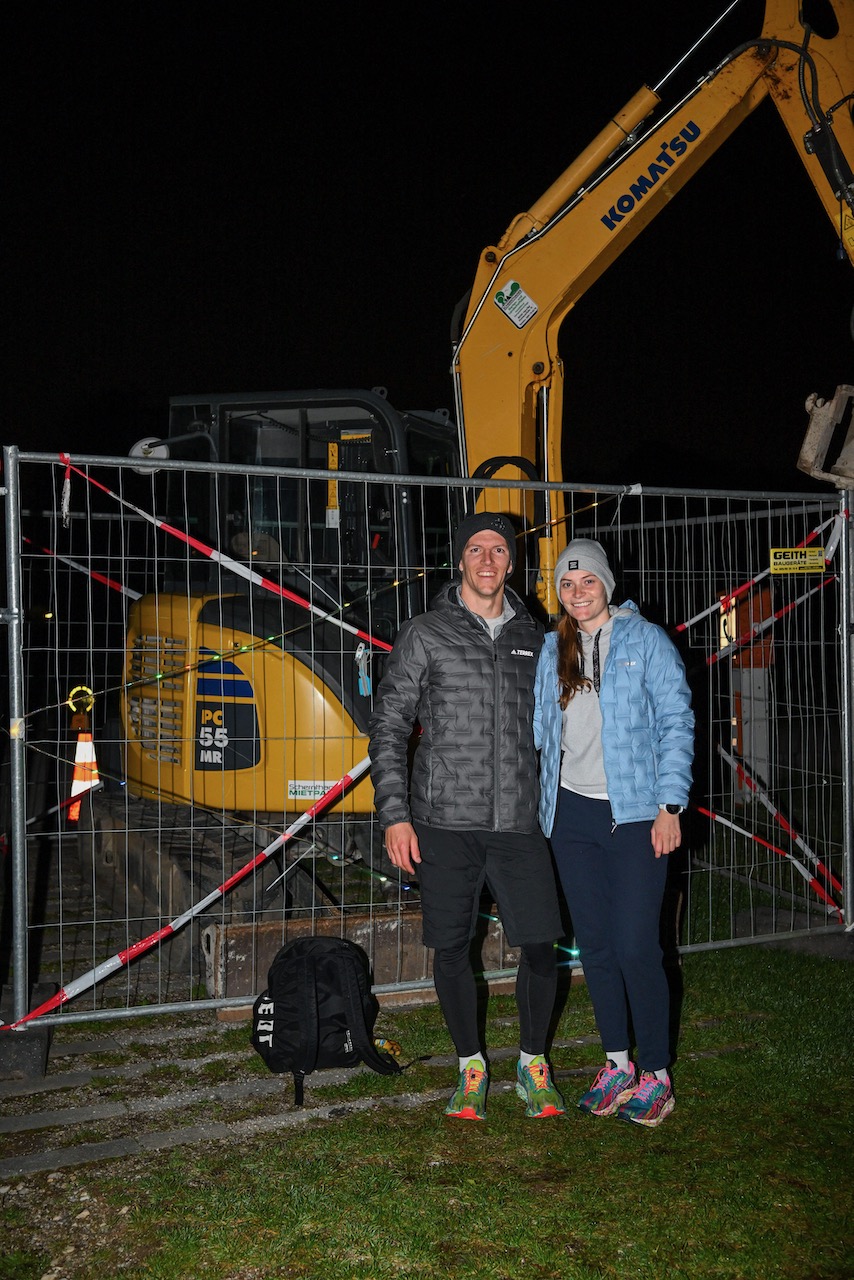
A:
[584,598]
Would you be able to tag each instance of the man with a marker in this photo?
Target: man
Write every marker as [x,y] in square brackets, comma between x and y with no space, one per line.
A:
[465,672]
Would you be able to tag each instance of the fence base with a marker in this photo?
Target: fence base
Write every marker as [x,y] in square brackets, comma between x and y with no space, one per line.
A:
[24,1053]
[238,957]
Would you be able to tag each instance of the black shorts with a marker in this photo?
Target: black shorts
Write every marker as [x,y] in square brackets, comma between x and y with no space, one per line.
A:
[517,869]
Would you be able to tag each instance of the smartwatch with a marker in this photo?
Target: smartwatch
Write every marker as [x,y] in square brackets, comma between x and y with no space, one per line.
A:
[673,808]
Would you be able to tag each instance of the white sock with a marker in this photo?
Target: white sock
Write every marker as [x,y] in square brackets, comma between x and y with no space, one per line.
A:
[476,1060]
[620,1060]
[663,1075]
[527,1058]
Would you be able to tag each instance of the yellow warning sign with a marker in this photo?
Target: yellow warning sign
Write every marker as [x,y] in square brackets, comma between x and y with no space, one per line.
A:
[797,560]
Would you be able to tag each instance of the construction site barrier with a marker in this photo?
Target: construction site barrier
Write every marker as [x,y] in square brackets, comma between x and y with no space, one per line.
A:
[158,855]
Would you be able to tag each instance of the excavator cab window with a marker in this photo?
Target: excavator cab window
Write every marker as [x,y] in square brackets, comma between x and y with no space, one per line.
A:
[433,453]
[345,540]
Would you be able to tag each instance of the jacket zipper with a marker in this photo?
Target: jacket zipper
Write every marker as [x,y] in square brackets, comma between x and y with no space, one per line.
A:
[496,732]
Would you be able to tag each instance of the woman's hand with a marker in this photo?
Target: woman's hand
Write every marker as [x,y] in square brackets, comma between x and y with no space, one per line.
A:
[666,833]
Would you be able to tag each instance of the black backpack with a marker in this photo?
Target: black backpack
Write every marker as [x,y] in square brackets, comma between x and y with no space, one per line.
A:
[318,1011]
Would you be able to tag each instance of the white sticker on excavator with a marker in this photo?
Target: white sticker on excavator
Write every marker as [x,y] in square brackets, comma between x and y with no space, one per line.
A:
[512,299]
[302,789]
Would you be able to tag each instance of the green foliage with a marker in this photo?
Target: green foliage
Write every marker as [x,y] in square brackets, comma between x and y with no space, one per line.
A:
[20,1266]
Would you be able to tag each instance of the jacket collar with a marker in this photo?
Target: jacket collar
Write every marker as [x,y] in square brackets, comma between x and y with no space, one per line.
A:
[446,598]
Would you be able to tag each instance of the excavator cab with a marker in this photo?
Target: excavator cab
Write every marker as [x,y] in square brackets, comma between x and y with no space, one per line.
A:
[251,669]
[339,538]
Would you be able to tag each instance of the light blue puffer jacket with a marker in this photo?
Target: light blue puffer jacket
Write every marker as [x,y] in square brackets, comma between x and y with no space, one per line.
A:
[647,722]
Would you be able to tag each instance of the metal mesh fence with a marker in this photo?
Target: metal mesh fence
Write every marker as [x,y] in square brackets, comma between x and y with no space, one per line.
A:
[220,634]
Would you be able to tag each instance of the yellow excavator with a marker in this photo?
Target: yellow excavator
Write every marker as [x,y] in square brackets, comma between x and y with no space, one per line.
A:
[244,692]
[508,375]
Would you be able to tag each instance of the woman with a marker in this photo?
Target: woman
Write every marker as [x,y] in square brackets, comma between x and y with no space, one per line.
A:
[614,724]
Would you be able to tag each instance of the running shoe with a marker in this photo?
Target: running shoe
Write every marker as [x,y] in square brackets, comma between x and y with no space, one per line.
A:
[468,1101]
[651,1102]
[534,1086]
[611,1088]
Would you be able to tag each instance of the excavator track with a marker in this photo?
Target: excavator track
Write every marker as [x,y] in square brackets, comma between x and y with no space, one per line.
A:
[150,862]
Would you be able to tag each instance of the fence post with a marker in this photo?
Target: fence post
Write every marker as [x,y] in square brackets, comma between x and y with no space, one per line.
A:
[12,615]
[847,673]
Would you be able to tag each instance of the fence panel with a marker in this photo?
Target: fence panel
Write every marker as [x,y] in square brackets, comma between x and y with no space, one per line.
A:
[220,634]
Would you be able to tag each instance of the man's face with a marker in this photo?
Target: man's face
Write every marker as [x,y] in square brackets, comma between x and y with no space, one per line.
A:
[485,565]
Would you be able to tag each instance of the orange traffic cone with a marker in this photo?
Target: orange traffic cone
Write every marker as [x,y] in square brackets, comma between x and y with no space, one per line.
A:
[85,775]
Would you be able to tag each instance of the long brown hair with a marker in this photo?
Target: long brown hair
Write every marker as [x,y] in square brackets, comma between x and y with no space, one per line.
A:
[569,677]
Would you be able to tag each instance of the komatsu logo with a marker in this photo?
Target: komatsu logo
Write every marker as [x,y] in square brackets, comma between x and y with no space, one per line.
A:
[670,152]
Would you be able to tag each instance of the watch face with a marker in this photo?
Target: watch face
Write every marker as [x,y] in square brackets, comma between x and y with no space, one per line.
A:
[673,808]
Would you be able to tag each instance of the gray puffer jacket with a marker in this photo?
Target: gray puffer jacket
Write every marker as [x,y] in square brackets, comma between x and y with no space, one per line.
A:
[475,768]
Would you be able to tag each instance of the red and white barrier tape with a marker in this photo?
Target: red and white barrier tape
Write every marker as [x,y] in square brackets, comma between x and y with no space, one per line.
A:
[123,958]
[819,889]
[747,637]
[727,600]
[744,776]
[234,566]
[90,573]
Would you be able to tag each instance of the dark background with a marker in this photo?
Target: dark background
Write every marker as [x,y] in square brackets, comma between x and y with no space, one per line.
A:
[238,197]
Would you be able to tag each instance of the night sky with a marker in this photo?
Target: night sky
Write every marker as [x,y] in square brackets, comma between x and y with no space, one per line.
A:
[228,197]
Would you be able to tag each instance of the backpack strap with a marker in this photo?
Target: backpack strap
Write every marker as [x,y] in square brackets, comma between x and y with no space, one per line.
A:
[362,1041]
[309,1028]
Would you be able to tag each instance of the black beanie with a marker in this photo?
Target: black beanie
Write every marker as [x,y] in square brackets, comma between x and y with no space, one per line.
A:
[476,524]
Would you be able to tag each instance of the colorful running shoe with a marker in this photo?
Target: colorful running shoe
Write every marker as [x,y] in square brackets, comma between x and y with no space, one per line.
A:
[468,1101]
[650,1103]
[611,1088]
[534,1086]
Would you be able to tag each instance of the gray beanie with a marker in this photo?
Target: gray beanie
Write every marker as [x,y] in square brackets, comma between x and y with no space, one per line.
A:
[588,556]
[477,523]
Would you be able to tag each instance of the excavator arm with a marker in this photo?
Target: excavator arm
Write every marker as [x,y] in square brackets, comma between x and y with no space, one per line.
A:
[508,375]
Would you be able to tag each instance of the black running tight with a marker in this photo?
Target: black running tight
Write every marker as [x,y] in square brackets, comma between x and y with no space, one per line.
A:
[536,988]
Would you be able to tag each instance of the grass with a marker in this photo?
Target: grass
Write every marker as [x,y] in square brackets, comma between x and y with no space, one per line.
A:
[752,1176]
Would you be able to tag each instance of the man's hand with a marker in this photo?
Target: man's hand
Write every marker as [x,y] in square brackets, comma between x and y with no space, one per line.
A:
[401,844]
[666,833]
